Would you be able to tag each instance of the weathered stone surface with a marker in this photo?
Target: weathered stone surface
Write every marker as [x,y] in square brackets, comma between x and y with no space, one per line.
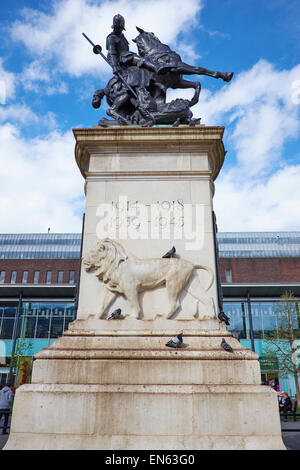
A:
[113,384]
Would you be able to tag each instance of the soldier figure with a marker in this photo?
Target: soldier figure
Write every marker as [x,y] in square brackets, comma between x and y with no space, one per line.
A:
[116,44]
[119,54]
[136,71]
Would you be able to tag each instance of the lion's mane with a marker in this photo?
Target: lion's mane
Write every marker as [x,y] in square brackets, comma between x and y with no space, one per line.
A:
[105,260]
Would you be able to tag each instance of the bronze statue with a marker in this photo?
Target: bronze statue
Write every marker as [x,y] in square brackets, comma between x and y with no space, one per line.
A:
[136,94]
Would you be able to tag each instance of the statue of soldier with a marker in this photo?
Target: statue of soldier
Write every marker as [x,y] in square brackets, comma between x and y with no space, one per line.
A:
[117,45]
[137,72]
[119,54]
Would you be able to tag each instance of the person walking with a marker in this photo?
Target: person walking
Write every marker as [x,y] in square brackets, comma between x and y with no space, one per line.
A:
[6,397]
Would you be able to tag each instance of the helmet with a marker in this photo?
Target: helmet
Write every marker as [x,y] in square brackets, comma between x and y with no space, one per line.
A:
[119,21]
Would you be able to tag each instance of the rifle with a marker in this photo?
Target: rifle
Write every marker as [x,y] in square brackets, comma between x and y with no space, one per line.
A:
[98,50]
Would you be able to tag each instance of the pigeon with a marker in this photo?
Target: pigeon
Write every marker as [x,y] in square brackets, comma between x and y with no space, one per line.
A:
[226,346]
[223,317]
[175,342]
[170,253]
[235,334]
[116,315]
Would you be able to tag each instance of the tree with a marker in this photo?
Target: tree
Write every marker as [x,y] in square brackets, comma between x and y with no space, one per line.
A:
[281,342]
[18,359]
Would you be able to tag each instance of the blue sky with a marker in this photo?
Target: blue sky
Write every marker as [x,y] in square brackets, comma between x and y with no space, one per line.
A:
[48,74]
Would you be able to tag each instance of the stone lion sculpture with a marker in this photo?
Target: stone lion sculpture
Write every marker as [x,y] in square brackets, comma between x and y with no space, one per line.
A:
[125,274]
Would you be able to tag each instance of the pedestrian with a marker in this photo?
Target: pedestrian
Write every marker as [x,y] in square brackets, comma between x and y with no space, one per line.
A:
[285,404]
[6,397]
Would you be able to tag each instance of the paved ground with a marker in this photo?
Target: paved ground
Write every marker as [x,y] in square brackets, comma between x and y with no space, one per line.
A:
[3,438]
[290,438]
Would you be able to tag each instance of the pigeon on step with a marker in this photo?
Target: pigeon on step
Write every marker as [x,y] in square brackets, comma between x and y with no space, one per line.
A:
[223,317]
[226,346]
[175,342]
[170,253]
[115,315]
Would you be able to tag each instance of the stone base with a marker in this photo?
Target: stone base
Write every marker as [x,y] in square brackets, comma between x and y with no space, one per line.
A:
[119,417]
[121,388]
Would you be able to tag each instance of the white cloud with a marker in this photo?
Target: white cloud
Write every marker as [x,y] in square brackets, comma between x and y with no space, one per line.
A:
[21,114]
[18,113]
[38,76]
[188,52]
[260,190]
[59,34]
[272,205]
[41,185]
[258,105]
[7,84]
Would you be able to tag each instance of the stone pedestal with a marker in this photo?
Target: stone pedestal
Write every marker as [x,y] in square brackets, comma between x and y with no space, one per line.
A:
[166,173]
[113,384]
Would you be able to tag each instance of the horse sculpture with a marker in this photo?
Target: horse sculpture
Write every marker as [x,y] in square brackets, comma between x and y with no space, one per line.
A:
[158,69]
[169,65]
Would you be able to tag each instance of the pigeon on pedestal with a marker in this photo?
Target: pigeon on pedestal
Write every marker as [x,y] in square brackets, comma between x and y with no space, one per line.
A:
[226,346]
[175,342]
[170,253]
[223,317]
[115,315]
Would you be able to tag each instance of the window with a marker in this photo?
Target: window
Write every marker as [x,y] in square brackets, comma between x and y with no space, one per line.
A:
[2,277]
[36,277]
[7,328]
[7,323]
[57,326]
[29,326]
[43,324]
[228,275]
[48,277]
[25,277]
[257,320]
[60,277]
[13,277]
[72,277]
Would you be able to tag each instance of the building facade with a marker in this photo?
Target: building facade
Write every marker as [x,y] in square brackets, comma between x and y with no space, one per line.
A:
[256,269]
[38,287]
[39,274]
